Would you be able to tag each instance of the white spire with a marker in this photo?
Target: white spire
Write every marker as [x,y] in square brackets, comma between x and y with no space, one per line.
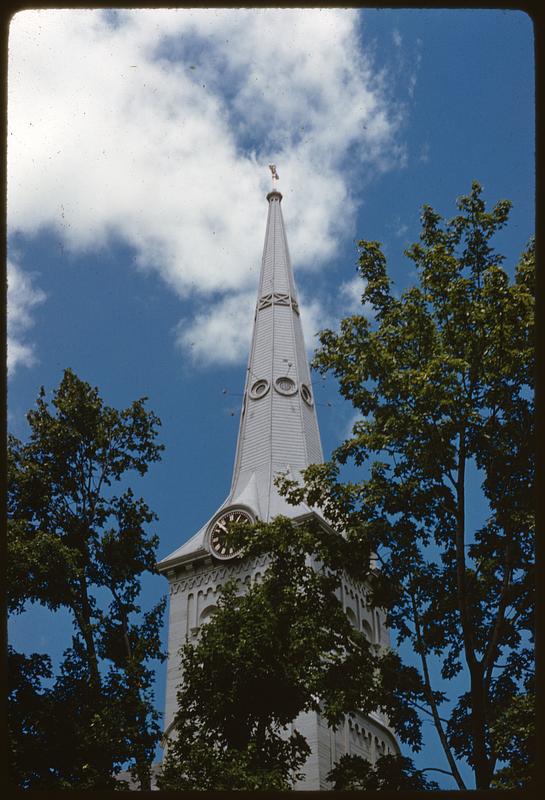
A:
[278,426]
[278,430]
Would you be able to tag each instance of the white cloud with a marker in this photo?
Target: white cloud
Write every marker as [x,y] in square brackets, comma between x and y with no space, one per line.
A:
[220,335]
[397,227]
[156,126]
[417,61]
[348,429]
[314,318]
[22,298]
[396,37]
[351,292]
[425,153]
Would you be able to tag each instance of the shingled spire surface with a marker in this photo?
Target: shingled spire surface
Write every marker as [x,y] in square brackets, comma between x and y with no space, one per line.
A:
[278,426]
[278,430]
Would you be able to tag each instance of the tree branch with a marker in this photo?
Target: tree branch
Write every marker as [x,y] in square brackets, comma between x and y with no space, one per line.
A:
[436,769]
[426,711]
[431,699]
[491,650]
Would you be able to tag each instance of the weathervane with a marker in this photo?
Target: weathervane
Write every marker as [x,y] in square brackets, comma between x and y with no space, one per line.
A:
[274,174]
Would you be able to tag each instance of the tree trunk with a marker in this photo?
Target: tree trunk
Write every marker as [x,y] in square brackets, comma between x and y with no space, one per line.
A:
[478,719]
[141,760]
[84,621]
[433,705]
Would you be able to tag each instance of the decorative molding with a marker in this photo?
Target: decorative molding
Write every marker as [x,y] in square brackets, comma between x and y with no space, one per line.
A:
[218,573]
[369,740]
[264,302]
[354,588]
[277,299]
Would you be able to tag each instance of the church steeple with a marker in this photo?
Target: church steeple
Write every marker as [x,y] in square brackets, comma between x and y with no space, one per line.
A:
[278,426]
[278,430]
[278,433]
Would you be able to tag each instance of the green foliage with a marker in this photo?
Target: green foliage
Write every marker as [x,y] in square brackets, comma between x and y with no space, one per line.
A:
[443,378]
[514,734]
[29,718]
[75,544]
[283,647]
[396,773]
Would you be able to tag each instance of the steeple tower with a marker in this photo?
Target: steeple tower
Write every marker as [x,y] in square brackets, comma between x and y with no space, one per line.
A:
[278,433]
[278,430]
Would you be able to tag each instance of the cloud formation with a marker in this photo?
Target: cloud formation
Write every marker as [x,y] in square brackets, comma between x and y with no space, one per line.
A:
[155,127]
[223,335]
[351,293]
[22,298]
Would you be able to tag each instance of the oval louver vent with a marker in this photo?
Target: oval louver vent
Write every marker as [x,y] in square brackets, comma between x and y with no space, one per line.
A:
[259,389]
[306,394]
[285,385]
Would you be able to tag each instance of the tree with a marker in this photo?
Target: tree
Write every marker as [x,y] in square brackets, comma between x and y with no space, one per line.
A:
[74,543]
[443,379]
[282,647]
[29,715]
[354,773]
[514,733]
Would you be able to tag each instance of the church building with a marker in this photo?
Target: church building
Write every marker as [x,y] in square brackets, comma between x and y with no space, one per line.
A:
[278,433]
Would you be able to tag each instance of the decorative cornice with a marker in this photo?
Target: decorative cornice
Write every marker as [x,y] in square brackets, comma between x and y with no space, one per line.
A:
[358,727]
[354,587]
[217,573]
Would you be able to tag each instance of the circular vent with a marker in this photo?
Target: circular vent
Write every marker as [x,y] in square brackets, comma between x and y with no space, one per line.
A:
[285,385]
[259,389]
[306,394]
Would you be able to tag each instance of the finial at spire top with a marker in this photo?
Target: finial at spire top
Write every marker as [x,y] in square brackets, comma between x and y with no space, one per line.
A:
[274,194]
[274,174]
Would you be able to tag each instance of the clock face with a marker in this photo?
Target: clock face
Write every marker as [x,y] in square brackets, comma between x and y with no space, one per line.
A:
[221,527]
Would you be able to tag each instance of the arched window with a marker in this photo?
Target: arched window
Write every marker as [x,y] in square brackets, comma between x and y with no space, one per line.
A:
[206,614]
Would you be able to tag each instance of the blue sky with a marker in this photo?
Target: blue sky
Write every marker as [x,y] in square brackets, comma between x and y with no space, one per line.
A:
[137,172]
